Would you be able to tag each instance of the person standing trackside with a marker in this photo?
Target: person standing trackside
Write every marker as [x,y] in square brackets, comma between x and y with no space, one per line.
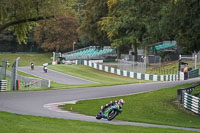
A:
[185,70]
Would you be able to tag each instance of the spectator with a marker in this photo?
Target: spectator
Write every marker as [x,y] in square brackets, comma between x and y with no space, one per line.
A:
[185,70]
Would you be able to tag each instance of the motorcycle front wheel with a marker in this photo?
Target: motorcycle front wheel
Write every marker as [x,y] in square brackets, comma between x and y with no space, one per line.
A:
[112,115]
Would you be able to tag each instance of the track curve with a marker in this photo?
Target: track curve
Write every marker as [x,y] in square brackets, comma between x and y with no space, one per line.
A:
[33,103]
[55,76]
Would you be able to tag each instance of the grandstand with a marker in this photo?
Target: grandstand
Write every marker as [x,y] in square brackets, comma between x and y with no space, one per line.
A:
[154,51]
[166,45]
[88,53]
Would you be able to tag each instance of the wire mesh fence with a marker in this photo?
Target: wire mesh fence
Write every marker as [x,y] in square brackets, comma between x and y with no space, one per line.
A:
[163,71]
[190,59]
[29,82]
[131,66]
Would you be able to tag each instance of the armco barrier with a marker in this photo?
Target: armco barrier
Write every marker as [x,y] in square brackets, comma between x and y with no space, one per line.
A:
[142,76]
[189,101]
[3,85]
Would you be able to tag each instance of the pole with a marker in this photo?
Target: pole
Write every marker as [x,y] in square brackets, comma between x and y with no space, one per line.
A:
[73,45]
[54,56]
[195,61]
[14,75]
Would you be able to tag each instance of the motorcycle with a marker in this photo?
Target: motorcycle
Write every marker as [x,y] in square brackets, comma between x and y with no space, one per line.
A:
[32,67]
[110,113]
[45,69]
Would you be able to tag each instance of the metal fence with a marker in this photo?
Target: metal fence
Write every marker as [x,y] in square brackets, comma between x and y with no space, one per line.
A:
[132,66]
[3,70]
[3,85]
[189,101]
[28,82]
[190,59]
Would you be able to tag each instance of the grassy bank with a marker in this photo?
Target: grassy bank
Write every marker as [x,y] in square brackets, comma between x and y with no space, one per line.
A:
[158,107]
[12,123]
[25,59]
[102,78]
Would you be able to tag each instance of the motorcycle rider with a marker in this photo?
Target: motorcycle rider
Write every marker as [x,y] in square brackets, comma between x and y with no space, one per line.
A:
[120,103]
[45,68]
[32,66]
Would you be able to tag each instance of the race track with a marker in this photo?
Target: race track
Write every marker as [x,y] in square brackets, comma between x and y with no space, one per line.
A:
[55,76]
[44,103]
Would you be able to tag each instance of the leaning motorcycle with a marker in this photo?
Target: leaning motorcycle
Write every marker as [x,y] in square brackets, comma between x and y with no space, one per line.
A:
[45,69]
[110,113]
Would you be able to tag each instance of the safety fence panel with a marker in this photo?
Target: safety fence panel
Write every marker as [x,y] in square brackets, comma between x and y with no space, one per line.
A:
[191,103]
[3,85]
[129,74]
[29,82]
[139,67]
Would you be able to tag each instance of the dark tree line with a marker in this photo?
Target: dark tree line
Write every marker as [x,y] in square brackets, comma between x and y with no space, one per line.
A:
[119,23]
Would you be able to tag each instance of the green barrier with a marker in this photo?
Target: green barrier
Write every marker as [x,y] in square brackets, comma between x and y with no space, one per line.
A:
[50,63]
[194,73]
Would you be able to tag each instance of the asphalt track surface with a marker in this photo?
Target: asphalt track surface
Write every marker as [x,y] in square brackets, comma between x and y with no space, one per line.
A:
[55,76]
[44,103]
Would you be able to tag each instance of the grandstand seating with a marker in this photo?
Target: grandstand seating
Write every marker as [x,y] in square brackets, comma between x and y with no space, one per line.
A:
[89,53]
[165,46]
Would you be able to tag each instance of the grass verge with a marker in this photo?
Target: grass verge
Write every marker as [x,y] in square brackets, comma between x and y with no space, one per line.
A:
[158,107]
[13,123]
[25,59]
[102,78]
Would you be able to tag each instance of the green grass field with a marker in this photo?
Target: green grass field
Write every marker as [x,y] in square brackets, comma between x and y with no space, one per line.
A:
[25,59]
[158,107]
[85,72]
[13,123]
[102,78]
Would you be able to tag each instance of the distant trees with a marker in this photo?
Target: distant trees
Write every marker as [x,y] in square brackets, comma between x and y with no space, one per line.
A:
[132,22]
[21,15]
[91,15]
[57,35]
[140,23]
[135,23]
[181,21]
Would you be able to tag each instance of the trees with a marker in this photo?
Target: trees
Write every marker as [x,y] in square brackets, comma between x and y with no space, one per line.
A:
[133,22]
[181,21]
[119,25]
[94,11]
[57,35]
[124,25]
[21,15]
[119,22]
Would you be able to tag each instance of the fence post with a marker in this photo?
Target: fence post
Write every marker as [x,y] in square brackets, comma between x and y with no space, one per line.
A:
[195,61]
[14,74]
[180,95]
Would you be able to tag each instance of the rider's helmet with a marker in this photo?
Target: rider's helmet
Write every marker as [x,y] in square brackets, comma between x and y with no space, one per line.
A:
[121,101]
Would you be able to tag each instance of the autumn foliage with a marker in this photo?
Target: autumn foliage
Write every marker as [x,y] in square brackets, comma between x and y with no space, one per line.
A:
[57,35]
